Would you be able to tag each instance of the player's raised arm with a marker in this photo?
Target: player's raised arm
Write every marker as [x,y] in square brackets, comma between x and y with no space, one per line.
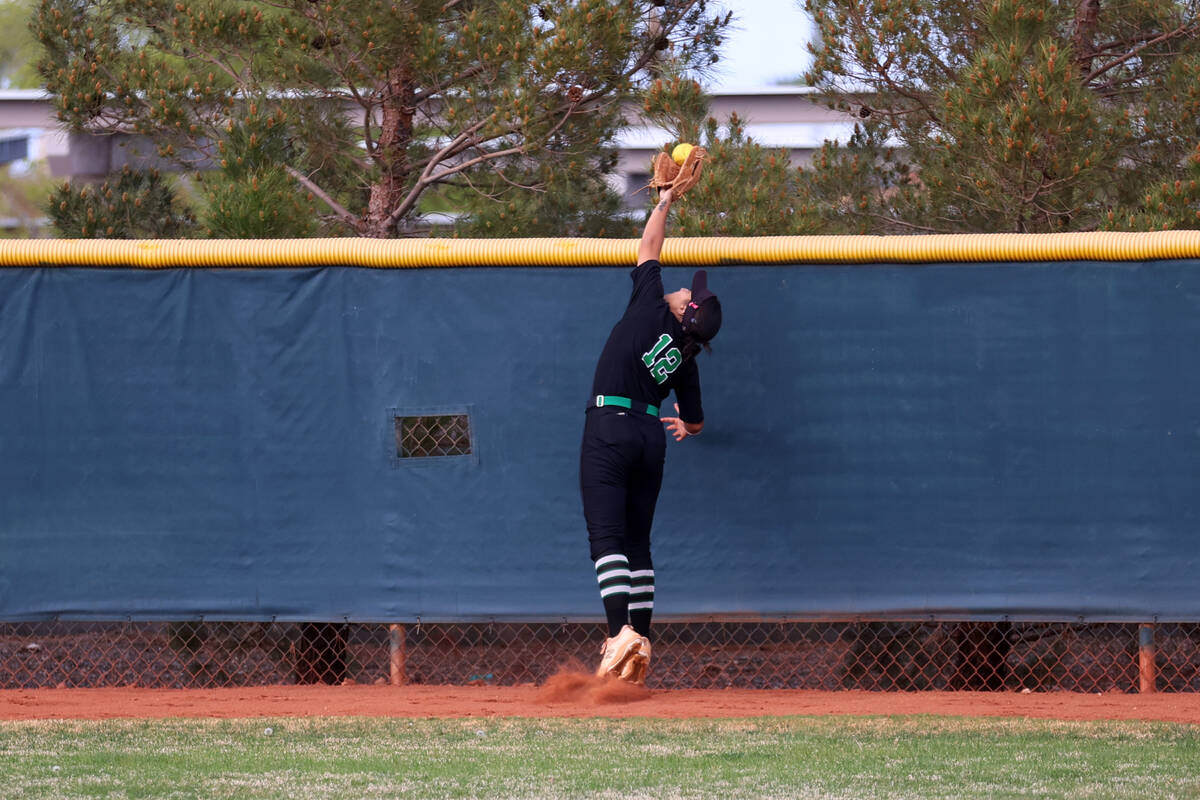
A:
[673,175]
[655,231]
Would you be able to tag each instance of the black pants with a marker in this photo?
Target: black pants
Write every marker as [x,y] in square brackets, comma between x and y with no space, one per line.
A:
[620,474]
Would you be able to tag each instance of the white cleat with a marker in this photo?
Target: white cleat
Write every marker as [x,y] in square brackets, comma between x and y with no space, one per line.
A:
[619,650]
[637,665]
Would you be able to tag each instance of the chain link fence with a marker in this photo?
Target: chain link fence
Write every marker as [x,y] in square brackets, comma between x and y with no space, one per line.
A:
[877,656]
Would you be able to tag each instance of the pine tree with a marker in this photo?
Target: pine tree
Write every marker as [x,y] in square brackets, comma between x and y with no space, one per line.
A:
[18,47]
[377,103]
[1007,115]
[248,196]
[130,205]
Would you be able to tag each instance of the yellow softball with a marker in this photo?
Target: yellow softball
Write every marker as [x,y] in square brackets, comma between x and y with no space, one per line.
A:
[680,153]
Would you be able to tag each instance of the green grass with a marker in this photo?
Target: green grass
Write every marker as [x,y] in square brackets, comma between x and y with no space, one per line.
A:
[775,757]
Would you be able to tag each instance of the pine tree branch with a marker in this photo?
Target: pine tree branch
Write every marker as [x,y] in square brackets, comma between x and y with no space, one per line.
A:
[907,94]
[221,65]
[349,80]
[902,223]
[341,213]
[1129,42]
[974,202]
[470,185]
[650,51]
[459,143]
[466,74]
[499,174]
[1182,30]
[463,142]
[428,179]
[473,162]
[532,187]
[466,139]
[874,70]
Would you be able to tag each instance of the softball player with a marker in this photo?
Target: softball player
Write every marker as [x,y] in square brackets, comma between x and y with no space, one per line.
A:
[650,352]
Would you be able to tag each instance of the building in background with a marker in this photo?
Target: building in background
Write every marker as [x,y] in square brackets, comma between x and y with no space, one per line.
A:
[29,132]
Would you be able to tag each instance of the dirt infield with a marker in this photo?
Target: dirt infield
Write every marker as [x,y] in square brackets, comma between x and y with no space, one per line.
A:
[576,696]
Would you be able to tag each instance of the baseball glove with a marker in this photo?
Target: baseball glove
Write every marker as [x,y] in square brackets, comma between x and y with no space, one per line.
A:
[689,173]
[665,172]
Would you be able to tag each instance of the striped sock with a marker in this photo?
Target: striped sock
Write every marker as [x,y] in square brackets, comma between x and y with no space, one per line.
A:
[612,573]
[641,600]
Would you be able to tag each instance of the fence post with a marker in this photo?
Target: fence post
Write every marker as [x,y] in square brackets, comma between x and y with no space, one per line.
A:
[398,655]
[1147,666]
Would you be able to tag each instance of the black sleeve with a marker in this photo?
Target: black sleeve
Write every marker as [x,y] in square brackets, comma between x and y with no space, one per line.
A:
[647,283]
[687,392]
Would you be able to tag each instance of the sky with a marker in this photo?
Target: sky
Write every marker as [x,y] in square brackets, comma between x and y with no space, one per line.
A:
[764,44]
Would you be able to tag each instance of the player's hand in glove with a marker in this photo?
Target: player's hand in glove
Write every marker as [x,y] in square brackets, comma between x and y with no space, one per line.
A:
[665,172]
[680,429]
[689,172]
[679,177]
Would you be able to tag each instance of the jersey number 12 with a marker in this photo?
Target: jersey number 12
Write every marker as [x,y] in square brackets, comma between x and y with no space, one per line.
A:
[662,364]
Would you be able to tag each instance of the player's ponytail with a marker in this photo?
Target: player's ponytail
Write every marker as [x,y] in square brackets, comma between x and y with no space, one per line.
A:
[691,346]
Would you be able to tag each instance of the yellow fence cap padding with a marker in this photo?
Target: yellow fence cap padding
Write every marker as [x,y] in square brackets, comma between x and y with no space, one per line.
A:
[700,251]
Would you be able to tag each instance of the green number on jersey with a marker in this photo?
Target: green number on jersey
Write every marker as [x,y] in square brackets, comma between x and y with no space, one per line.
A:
[661,368]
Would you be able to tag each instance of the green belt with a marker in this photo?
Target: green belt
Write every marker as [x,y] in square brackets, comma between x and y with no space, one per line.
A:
[602,400]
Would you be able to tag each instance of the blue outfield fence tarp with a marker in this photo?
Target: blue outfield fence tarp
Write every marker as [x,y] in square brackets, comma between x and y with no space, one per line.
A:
[973,441]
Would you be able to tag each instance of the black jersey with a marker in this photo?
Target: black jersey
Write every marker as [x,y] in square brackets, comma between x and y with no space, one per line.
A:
[642,359]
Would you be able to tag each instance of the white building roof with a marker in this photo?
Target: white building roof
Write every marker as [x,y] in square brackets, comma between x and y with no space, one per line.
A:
[790,135]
